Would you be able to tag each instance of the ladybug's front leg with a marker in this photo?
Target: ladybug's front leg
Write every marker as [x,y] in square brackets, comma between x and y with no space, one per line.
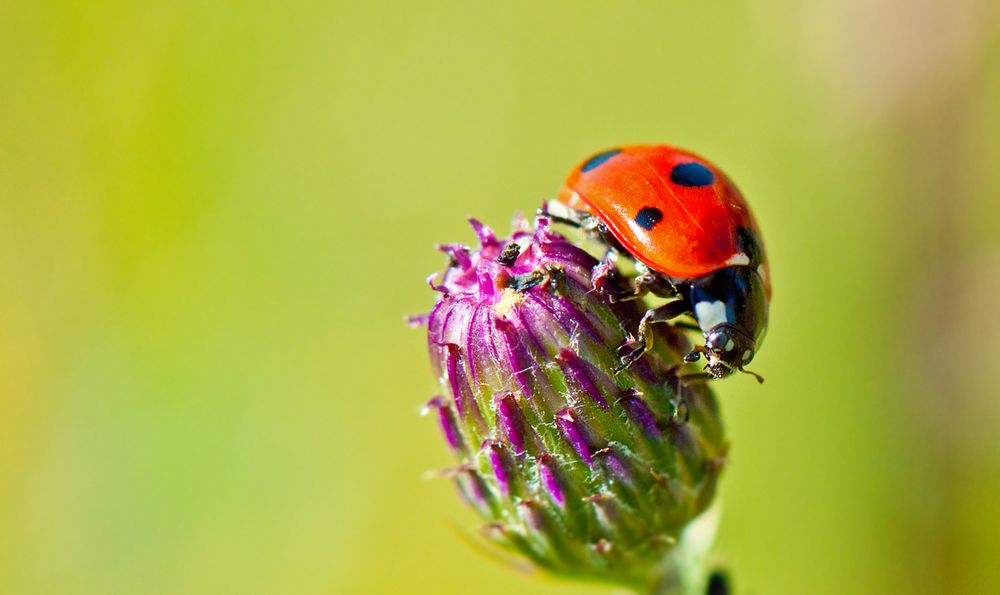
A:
[632,349]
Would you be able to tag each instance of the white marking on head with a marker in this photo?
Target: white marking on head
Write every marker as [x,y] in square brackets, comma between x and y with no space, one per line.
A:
[738,259]
[730,345]
[746,355]
[710,314]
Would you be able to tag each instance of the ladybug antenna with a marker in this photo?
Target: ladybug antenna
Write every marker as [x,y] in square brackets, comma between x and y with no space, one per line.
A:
[760,379]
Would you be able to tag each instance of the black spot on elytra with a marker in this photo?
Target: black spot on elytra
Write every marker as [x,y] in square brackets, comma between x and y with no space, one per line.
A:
[691,174]
[598,159]
[648,217]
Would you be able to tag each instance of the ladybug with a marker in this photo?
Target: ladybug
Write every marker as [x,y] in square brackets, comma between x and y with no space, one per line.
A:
[693,238]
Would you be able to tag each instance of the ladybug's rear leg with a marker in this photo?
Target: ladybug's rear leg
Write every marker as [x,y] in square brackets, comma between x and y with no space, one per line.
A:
[632,349]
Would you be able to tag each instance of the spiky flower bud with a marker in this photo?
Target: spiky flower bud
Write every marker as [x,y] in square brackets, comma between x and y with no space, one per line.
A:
[586,472]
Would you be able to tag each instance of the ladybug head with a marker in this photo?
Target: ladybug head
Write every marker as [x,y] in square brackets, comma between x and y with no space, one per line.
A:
[730,305]
[728,349]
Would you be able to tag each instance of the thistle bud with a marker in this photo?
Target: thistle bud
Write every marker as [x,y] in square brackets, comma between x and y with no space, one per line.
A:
[587,472]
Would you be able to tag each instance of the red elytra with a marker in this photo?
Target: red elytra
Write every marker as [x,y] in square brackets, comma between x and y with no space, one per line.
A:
[673,210]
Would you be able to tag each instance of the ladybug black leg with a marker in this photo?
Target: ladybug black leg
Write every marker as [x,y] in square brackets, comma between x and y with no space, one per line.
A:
[608,281]
[632,349]
[646,282]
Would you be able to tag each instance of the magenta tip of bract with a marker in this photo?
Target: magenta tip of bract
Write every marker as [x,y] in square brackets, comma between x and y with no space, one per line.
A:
[485,234]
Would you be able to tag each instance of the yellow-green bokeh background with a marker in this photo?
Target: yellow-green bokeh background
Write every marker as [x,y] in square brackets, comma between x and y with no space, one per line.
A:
[214,215]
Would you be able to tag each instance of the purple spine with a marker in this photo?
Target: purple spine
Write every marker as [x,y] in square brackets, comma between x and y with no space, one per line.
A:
[550,478]
[511,422]
[573,434]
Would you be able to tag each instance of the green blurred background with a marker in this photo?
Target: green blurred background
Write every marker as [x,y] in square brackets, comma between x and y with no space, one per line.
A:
[214,216]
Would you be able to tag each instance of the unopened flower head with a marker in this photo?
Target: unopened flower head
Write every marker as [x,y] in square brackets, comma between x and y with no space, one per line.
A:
[586,472]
